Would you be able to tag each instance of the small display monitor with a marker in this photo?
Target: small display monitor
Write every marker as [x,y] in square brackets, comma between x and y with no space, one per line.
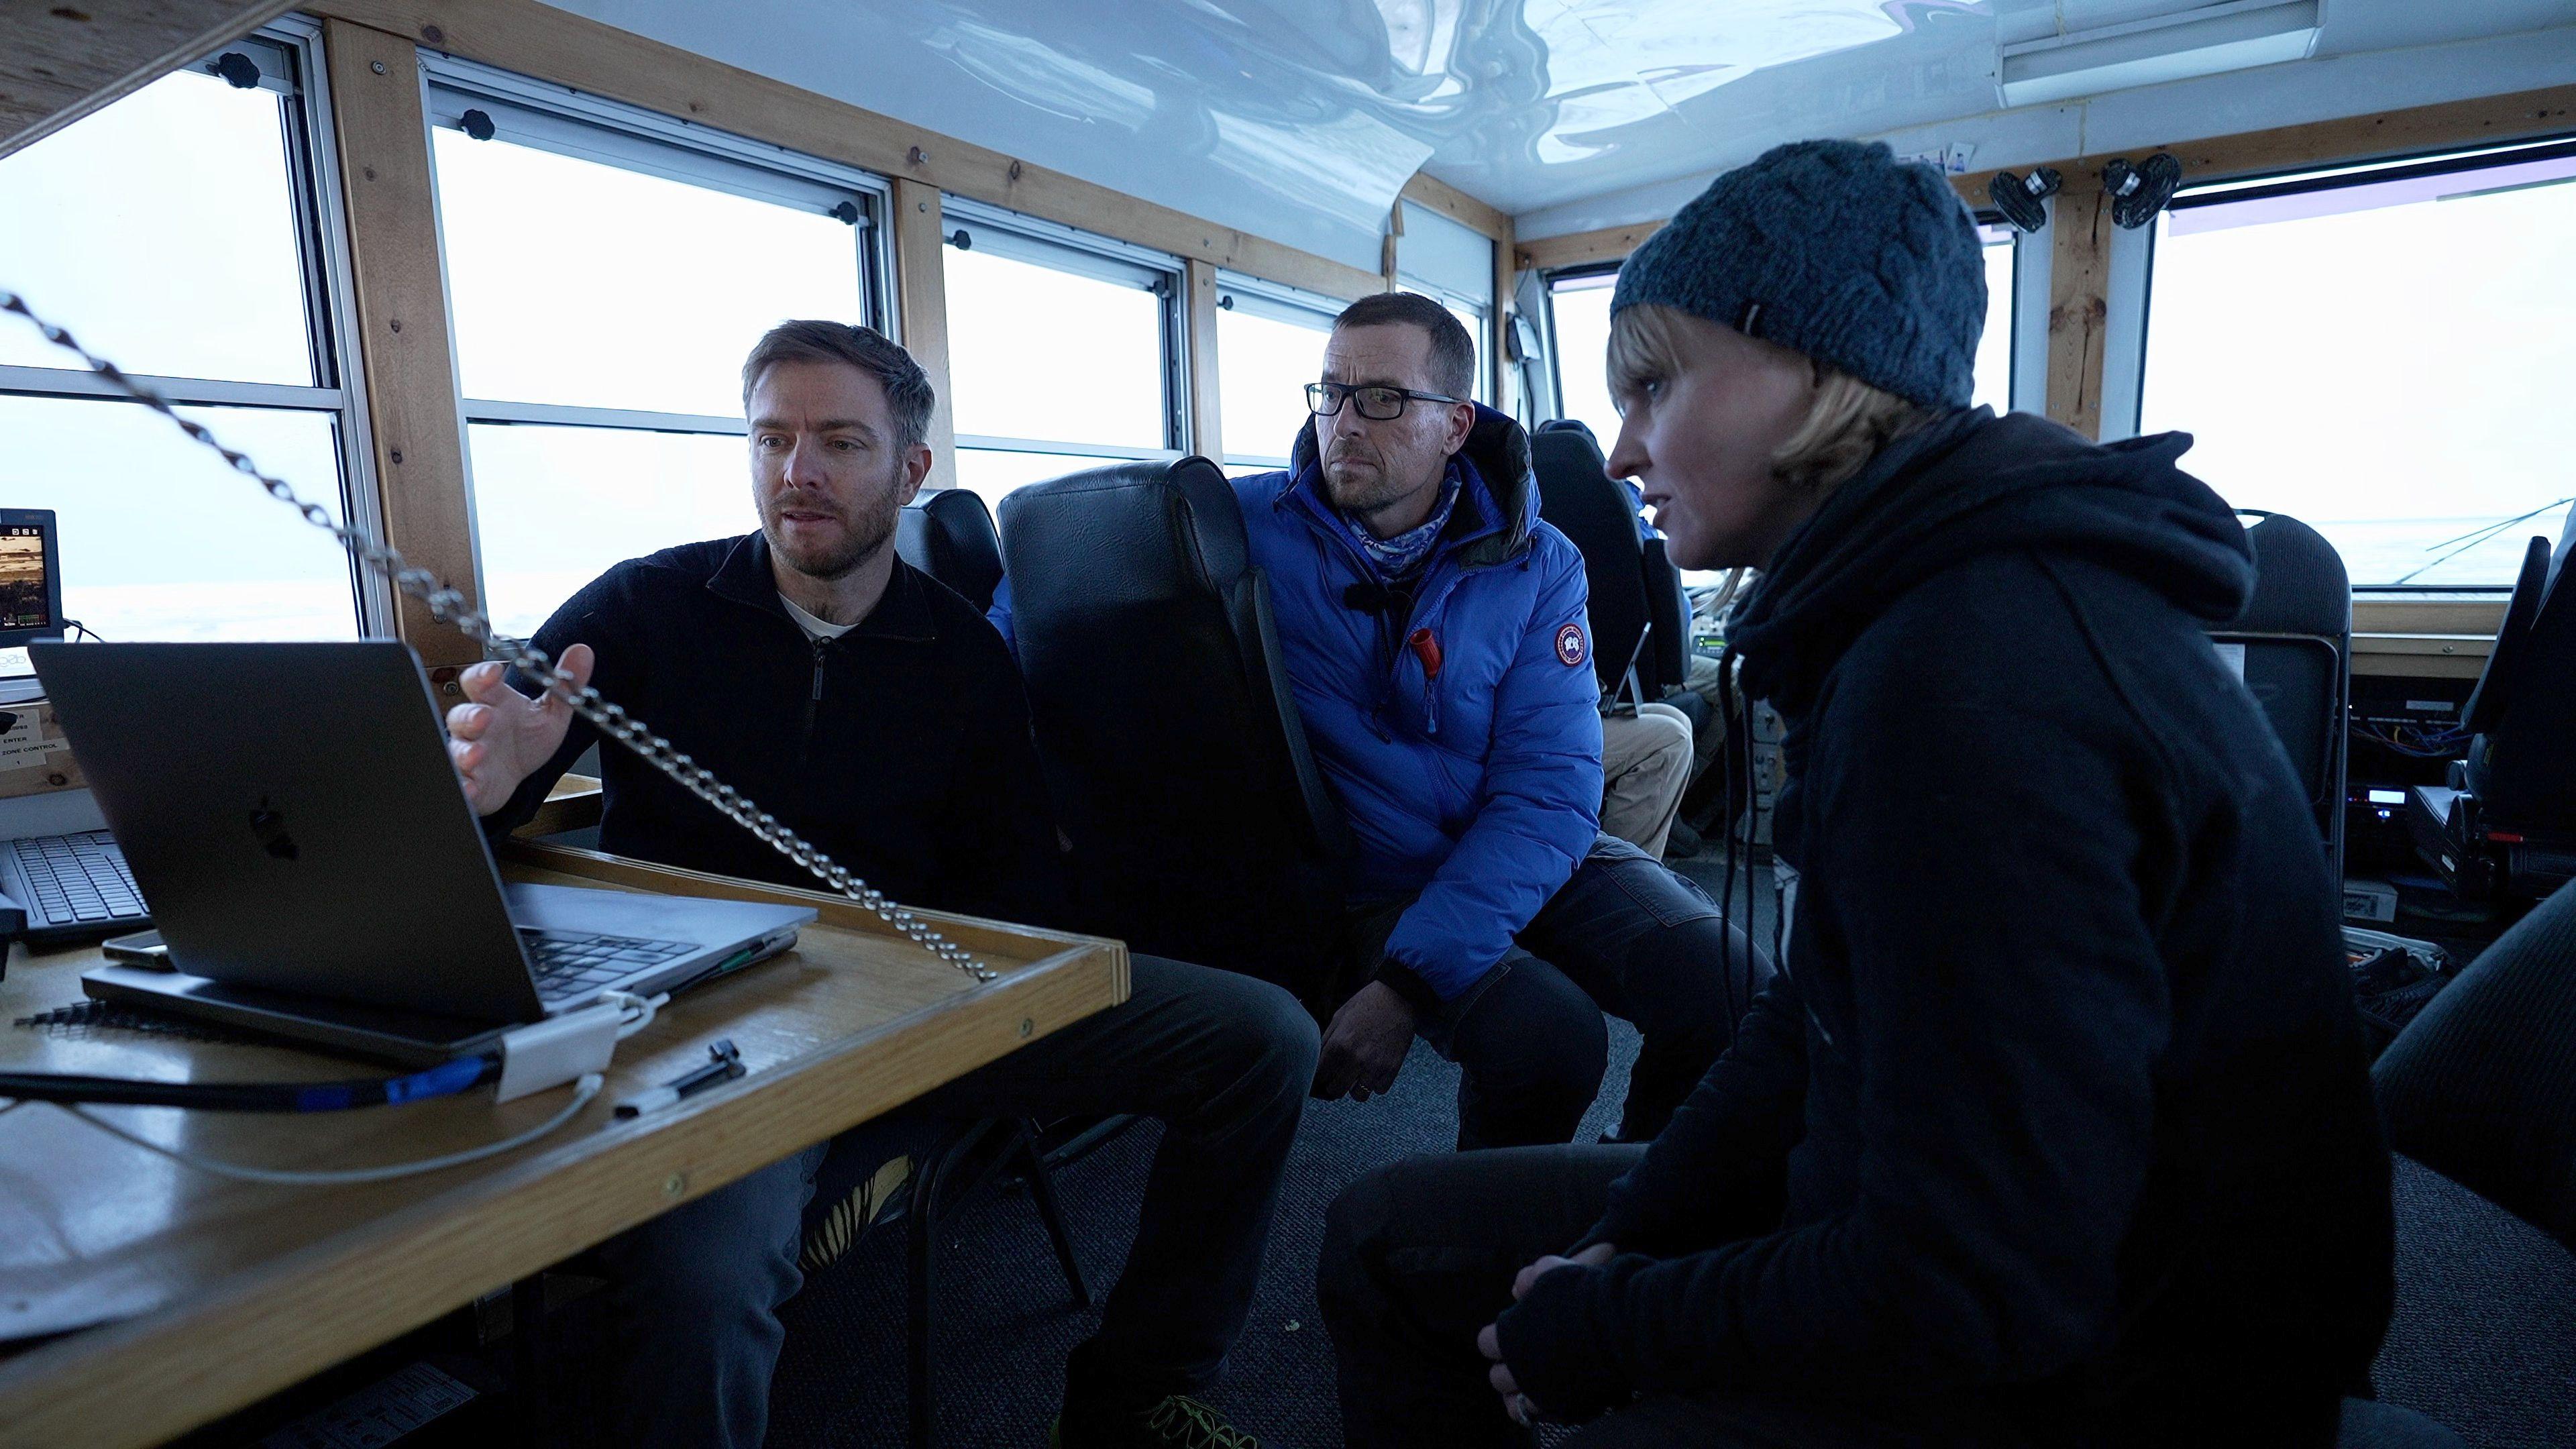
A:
[31,584]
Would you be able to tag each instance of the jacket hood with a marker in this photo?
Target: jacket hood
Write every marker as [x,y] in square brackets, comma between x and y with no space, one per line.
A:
[1500,450]
[1972,484]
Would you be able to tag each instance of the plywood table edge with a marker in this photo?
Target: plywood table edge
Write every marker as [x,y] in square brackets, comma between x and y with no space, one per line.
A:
[440,1254]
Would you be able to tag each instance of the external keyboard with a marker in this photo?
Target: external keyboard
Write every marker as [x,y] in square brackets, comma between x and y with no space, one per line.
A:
[79,881]
[568,963]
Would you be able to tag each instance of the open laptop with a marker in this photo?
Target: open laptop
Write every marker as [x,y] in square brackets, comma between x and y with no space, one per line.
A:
[291,813]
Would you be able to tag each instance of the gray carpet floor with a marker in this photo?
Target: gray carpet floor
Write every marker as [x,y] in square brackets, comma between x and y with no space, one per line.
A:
[2484,1341]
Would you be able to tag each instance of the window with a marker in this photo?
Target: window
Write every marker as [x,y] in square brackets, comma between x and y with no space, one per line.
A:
[189,233]
[1454,265]
[1062,351]
[1269,344]
[608,271]
[2382,354]
[1995,344]
[1579,313]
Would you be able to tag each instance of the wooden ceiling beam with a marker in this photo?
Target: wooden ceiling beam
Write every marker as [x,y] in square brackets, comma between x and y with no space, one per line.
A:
[58,63]
[1430,192]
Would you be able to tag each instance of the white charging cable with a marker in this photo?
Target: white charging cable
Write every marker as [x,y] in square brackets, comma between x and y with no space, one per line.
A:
[571,1047]
[583,1090]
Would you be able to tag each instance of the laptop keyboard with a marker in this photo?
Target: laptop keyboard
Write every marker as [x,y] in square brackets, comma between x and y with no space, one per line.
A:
[80,878]
[568,963]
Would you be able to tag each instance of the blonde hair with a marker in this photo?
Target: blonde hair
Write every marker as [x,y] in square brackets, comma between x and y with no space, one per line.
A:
[1846,425]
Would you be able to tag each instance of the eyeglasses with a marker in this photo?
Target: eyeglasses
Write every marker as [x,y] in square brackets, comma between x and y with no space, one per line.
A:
[1377,404]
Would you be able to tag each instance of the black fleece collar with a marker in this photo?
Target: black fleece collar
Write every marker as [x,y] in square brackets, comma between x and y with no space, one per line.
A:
[902,612]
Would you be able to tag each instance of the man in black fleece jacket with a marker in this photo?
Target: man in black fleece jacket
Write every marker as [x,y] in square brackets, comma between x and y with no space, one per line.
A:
[882,718]
[2054,1127]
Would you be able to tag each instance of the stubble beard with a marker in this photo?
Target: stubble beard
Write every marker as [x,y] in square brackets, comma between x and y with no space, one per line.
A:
[867,529]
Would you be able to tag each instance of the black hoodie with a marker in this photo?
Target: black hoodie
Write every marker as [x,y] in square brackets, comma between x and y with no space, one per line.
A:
[2057,1121]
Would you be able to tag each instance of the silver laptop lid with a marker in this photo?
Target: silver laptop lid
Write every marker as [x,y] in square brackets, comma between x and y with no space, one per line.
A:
[291,813]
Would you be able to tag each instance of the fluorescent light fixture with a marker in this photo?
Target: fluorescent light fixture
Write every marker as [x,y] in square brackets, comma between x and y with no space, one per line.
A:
[2202,40]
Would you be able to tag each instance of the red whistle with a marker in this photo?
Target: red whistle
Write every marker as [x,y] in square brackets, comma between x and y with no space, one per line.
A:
[1426,647]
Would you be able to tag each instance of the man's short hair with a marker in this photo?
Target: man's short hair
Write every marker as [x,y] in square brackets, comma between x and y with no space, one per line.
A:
[1453,352]
[907,387]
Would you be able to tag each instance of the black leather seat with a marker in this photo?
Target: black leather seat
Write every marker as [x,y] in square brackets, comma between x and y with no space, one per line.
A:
[1575,493]
[1665,665]
[1200,826]
[2296,633]
[948,534]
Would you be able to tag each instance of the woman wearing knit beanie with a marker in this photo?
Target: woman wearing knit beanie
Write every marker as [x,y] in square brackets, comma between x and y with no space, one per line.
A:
[2054,1127]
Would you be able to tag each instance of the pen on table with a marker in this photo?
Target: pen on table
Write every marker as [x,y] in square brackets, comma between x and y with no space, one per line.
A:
[725,1066]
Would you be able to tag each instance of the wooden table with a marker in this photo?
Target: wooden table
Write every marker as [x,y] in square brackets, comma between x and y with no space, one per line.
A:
[180,1296]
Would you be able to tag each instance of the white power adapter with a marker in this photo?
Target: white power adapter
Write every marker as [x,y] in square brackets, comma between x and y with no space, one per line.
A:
[559,1049]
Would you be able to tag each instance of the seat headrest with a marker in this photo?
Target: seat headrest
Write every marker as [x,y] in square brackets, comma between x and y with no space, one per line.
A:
[2300,586]
[948,534]
[1570,425]
[1128,533]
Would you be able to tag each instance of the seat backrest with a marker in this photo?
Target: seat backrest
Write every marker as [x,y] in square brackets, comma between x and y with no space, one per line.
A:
[1200,826]
[2295,638]
[2481,1085]
[1575,494]
[2525,707]
[948,534]
[1668,608]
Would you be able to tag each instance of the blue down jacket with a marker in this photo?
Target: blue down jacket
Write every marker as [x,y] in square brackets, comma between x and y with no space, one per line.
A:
[1478,783]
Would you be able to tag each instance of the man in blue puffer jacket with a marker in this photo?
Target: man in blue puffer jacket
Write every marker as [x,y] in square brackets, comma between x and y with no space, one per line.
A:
[1436,641]
[1433,631]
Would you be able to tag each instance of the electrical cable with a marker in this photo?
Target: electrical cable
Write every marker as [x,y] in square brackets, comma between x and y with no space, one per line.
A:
[583,1090]
[62,1088]
[635,1012]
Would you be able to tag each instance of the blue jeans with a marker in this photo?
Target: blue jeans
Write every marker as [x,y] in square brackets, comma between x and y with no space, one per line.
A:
[1626,936]
[1225,1061]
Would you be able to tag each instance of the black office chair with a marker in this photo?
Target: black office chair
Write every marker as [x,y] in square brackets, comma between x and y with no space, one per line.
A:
[948,534]
[1575,493]
[2296,634]
[1201,828]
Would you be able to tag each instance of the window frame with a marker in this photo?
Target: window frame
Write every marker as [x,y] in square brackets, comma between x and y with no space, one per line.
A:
[1278,302]
[2132,272]
[1058,247]
[288,52]
[1482,331]
[585,127]
[1547,281]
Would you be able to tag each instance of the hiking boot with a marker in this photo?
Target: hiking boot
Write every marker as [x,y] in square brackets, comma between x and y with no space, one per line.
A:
[1176,1422]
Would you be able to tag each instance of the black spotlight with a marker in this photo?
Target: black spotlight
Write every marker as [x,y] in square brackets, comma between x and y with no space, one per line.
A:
[2139,192]
[2019,198]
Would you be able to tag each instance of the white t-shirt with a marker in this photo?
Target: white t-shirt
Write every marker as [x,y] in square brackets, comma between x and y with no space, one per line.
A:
[814,628]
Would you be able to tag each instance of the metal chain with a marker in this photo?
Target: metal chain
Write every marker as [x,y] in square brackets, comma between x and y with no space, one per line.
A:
[449,606]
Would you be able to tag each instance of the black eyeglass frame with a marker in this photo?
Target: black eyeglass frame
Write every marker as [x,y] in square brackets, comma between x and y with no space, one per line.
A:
[1318,393]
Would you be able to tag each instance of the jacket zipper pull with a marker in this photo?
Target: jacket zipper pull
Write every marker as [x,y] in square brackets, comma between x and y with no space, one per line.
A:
[1426,648]
[818,669]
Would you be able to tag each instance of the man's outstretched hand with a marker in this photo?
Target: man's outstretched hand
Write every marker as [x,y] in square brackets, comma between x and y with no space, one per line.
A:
[1489,1340]
[499,737]
[1365,1045]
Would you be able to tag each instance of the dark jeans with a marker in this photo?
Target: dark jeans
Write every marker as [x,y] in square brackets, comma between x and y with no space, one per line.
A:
[1625,935]
[1225,1061]
[1420,1256]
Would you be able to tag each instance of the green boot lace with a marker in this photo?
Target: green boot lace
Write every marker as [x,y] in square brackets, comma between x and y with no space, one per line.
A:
[1188,1424]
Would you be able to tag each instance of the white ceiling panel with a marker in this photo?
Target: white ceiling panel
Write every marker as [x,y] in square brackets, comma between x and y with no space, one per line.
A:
[1300,119]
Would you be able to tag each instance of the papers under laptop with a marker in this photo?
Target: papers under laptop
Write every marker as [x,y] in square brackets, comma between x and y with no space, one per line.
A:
[291,813]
